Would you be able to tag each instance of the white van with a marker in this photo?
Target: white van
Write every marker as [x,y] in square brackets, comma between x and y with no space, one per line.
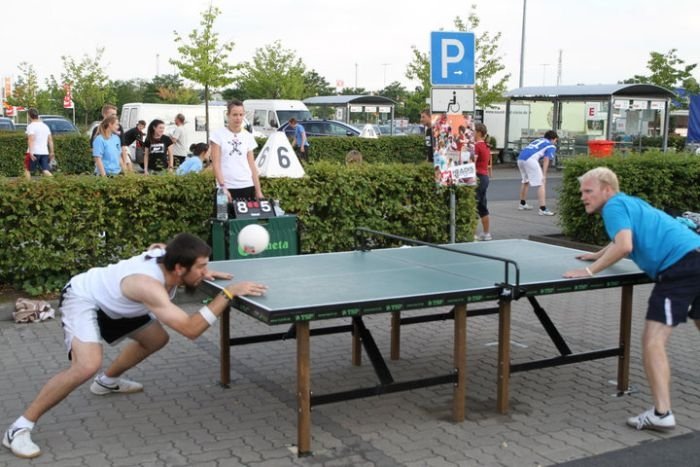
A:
[195,118]
[267,115]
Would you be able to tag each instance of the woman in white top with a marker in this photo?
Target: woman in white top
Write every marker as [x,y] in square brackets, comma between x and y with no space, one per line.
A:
[232,157]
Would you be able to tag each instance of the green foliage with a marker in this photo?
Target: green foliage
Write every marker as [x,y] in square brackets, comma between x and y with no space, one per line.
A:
[73,154]
[670,72]
[90,84]
[53,228]
[667,181]
[273,73]
[488,64]
[316,85]
[26,89]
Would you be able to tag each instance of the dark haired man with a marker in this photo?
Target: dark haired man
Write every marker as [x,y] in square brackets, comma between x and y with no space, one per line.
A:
[299,141]
[532,174]
[427,122]
[128,299]
[39,146]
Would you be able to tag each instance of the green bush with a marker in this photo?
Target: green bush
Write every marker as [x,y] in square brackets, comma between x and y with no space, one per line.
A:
[667,181]
[72,154]
[53,228]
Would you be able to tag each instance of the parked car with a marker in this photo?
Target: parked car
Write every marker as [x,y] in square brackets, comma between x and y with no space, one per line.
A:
[59,125]
[6,124]
[322,128]
[21,127]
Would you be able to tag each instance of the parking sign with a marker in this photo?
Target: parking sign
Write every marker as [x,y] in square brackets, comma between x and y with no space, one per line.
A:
[452,58]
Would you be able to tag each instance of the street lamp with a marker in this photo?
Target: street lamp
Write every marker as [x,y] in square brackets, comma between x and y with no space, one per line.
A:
[522,45]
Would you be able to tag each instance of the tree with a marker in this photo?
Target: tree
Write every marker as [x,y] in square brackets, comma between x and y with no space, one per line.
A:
[90,85]
[203,60]
[170,89]
[316,85]
[273,73]
[26,90]
[670,72]
[489,87]
[132,90]
[396,92]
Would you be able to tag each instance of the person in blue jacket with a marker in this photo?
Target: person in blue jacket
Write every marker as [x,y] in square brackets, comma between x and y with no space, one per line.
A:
[532,174]
[669,253]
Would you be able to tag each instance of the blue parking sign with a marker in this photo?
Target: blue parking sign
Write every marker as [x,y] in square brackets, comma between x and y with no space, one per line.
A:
[451,58]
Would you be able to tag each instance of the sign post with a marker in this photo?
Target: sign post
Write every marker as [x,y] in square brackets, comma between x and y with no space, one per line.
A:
[452,76]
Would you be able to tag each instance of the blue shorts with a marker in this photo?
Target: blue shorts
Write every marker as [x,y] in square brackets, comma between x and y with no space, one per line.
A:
[676,295]
[41,162]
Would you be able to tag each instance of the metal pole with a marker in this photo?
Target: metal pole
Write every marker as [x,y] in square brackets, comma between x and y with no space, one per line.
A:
[453,218]
[522,46]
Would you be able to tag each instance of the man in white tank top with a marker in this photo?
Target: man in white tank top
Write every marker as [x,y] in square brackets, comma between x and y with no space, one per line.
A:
[127,299]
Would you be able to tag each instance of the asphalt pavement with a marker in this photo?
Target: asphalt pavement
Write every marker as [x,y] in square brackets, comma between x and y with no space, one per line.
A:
[184,418]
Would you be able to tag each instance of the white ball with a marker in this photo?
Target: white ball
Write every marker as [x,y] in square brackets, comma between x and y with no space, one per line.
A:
[253,239]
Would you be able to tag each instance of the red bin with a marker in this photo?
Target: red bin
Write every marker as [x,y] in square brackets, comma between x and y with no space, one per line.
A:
[601,148]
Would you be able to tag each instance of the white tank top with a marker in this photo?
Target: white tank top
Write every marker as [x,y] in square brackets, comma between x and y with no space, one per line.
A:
[103,286]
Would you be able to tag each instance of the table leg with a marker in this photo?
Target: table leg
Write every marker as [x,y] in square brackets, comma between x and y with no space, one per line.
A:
[503,355]
[225,347]
[356,345]
[623,361]
[303,389]
[395,335]
[460,362]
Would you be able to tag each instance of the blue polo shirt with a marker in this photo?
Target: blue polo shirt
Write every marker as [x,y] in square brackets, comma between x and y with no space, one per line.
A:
[298,135]
[191,164]
[658,240]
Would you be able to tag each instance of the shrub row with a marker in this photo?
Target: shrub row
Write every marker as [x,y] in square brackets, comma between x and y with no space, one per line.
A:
[668,181]
[53,228]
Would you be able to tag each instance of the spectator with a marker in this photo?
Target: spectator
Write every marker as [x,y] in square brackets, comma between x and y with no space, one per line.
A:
[427,122]
[39,146]
[109,110]
[531,172]
[195,161]
[482,153]
[669,253]
[135,137]
[158,153]
[107,149]
[179,139]
[232,157]
[299,142]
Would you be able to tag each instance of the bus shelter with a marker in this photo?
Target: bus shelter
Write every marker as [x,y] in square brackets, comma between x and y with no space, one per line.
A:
[356,109]
[619,113]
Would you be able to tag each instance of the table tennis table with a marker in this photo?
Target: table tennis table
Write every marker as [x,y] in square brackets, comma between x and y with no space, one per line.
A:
[309,288]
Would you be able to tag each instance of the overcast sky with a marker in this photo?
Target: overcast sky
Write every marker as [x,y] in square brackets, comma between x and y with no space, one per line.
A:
[360,42]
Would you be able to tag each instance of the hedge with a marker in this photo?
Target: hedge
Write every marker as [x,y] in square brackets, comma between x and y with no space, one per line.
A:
[75,157]
[669,182]
[53,228]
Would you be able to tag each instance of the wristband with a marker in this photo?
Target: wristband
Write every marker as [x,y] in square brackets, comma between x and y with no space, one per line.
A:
[227,294]
[207,314]
[588,270]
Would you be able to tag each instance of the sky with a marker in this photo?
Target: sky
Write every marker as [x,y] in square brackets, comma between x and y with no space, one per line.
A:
[361,43]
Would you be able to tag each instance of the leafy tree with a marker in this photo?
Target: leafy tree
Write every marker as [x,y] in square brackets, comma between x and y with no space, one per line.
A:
[90,85]
[490,83]
[233,93]
[353,92]
[316,85]
[203,60]
[398,93]
[273,73]
[26,90]
[170,89]
[670,72]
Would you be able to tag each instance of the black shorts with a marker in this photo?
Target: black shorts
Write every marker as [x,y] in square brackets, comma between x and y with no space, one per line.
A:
[676,295]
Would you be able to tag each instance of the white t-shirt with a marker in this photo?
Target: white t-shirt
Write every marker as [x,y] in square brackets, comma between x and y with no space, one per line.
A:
[102,285]
[234,156]
[41,133]
[179,148]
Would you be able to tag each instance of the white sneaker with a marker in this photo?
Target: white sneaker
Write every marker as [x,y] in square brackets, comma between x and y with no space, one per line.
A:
[485,237]
[524,207]
[123,385]
[19,441]
[650,421]
[545,212]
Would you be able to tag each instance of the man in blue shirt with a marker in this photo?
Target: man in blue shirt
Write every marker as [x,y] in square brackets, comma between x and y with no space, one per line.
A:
[300,140]
[665,249]
[531,172]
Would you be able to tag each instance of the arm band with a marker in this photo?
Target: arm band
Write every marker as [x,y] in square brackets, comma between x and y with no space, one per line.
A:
[227,294]
[588,270]
[207,314]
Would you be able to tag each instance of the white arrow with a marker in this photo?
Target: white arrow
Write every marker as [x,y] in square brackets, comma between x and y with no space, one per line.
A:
[458,72]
